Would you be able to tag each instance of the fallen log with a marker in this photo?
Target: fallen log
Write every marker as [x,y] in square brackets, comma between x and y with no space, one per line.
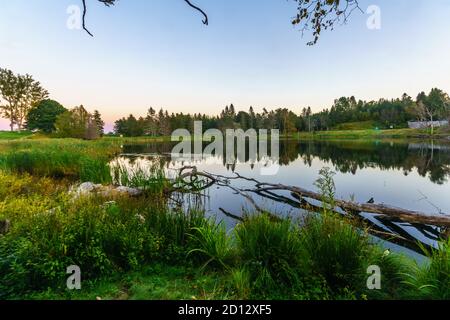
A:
[382,209]
[410,216]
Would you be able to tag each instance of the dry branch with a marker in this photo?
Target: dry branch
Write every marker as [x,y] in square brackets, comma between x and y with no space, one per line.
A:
[388,211]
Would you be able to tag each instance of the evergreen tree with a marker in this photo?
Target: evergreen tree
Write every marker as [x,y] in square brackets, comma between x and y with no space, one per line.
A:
[99,123]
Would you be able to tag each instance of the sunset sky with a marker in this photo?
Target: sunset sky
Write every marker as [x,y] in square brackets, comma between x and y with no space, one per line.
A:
[158,53]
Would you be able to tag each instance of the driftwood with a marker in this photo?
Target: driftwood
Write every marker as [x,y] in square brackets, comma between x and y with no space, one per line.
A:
[389,212]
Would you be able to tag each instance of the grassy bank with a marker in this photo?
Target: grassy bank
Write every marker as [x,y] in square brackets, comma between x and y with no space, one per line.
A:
[139,248]
[440,133]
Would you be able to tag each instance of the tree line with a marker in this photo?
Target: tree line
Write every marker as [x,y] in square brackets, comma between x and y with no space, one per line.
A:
[25,103]
[383,114]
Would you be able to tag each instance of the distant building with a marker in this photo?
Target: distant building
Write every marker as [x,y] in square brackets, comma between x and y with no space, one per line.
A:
[427,124]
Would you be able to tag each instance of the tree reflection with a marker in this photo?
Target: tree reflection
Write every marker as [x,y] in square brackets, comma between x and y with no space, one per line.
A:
[428,159]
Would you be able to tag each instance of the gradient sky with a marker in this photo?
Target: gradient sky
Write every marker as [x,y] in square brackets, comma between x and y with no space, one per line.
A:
[158,53]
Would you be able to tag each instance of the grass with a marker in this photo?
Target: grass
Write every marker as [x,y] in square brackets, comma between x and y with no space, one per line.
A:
[59,158]
[159,282]
[140,248]
[271,254]
[373,133]
[212,244]
[432,281]
[361,125]
[13,135]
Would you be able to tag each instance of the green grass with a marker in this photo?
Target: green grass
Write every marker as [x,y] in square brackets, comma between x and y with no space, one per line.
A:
[271,253]
[361,125]
[139,248]
[159,282]
[59,158]
[432,281]
[13,135]
[372,133]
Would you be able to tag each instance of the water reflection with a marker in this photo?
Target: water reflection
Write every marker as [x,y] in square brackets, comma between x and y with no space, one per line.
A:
[408,174]
[429,159]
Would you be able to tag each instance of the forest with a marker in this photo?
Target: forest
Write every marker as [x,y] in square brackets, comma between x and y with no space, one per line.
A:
[381,114]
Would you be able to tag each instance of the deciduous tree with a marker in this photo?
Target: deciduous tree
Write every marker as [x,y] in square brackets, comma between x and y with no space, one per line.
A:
[20,94]
[43,116]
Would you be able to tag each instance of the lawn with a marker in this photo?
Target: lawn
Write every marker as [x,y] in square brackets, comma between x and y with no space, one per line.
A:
[440,133]
[9,135]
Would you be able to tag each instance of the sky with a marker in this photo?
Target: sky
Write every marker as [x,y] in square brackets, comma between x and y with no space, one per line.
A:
[157,53]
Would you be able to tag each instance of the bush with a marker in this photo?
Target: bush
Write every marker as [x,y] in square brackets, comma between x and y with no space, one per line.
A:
[101,239]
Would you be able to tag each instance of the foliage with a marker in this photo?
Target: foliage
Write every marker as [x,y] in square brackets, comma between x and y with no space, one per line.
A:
[146,246]
[272,253]
[326,186]
[43,116]
[337,250]
[433,280]
[73,159]
[20,93]
[320,15]
[78,123]
[100,124]
[213,245]
[344,114]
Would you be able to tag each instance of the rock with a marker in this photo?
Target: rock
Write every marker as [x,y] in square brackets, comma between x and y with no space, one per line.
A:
[133,192]
[89,188]
[5,225]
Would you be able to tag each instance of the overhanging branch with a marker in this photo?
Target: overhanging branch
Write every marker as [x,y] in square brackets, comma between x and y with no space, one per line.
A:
[112,2]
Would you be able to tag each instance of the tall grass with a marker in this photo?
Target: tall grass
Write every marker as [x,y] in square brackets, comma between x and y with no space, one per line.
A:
[74,159]
[149,177]
[431,281]
[271,252]
[213,245]
[336,249]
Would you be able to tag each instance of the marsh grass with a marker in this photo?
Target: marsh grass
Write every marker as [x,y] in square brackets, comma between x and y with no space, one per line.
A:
[150,178]
[431,281]
[271,253]
[213,244]
[336,249]
[72,159]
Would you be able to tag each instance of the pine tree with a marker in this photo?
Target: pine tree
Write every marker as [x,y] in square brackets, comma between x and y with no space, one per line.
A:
[99,123]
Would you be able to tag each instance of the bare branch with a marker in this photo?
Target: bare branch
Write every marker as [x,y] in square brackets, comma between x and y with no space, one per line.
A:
[109,3]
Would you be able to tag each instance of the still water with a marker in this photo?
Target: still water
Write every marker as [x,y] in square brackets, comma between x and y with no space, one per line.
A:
[407,174]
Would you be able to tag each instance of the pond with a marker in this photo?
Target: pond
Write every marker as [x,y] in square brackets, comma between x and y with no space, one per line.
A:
[407,174]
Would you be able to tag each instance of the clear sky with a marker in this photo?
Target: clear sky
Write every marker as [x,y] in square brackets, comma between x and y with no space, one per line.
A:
[158,53]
